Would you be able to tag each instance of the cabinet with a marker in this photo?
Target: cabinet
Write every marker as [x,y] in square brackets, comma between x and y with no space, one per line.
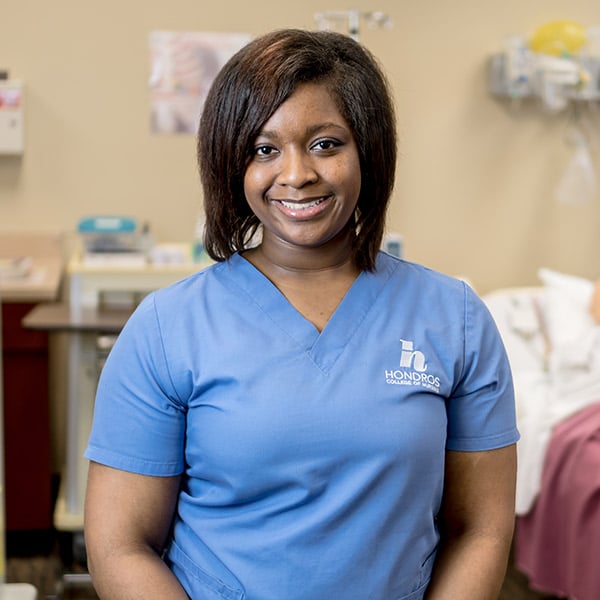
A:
[27,473]
[27,459]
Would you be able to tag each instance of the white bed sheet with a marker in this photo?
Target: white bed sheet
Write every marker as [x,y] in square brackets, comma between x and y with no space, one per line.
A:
[554,349]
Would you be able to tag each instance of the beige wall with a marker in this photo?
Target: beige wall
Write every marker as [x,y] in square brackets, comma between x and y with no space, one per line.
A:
[475,181]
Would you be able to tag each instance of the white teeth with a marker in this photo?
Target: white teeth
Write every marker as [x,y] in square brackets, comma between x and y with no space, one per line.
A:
[300,205]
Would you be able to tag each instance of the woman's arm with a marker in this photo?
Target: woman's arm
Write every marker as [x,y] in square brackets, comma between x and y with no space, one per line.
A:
[476,525]
[127,522]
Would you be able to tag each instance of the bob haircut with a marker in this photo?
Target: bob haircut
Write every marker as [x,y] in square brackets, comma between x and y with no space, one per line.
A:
[251,87]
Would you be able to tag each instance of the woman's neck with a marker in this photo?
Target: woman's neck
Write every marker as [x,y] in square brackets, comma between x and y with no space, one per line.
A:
[276,259]
[314,280]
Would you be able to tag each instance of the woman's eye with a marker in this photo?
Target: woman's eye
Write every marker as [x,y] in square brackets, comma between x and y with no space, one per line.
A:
[326,144]
[263,150]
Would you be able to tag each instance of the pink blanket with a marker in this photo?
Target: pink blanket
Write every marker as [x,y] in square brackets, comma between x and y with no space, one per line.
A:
[557,544]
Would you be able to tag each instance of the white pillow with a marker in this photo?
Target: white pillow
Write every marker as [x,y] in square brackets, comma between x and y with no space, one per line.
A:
[566,305]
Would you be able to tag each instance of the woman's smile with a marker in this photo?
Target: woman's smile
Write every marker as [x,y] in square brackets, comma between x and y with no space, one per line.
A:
[303,209]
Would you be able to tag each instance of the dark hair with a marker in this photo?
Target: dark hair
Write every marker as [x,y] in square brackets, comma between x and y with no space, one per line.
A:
[251,87]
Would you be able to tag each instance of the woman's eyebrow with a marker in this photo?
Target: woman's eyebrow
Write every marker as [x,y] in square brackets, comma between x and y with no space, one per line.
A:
[328,125]
[313,129]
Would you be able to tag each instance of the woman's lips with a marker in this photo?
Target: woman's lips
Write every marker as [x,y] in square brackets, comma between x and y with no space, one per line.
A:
[301,205]
[303,208]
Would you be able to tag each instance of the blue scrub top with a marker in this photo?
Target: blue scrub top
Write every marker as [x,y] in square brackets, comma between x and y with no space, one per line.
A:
[312,462]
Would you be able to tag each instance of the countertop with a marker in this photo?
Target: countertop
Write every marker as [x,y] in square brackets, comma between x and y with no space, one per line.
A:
[63,317]
[41,282]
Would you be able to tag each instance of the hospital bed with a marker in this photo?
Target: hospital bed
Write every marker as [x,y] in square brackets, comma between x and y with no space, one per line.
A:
[553,345]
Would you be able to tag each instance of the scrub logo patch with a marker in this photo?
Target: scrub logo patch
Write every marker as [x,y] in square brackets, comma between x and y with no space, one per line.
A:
[413,369]
[412,358]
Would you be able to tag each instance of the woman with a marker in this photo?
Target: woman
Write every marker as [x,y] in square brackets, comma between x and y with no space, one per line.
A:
[308,418]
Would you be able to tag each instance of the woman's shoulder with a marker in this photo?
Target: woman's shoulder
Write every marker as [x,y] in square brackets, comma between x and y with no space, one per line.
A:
[406,272]
[190,285]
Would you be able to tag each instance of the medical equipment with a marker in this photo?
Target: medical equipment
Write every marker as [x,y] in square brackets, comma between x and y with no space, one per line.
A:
[351,19]
[556,65]
[112,239]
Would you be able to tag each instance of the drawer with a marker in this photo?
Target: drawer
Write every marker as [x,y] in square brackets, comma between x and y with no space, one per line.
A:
[14,336]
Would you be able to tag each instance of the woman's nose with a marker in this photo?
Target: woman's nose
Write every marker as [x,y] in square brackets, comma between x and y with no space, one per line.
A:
[297,169]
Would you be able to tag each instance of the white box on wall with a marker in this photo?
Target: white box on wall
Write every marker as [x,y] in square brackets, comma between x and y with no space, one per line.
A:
[11,117]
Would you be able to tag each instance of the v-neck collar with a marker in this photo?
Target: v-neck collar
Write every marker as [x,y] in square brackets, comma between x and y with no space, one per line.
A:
[324,347]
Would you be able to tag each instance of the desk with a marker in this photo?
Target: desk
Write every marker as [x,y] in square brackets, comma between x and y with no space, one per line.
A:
[89,284]
[83,326]
[84,317]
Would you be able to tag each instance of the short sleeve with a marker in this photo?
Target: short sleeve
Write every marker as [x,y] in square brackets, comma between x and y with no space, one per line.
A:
[481,409]
[139,422]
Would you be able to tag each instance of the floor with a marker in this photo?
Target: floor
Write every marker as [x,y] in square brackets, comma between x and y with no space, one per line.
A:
[50,563]
[53,563]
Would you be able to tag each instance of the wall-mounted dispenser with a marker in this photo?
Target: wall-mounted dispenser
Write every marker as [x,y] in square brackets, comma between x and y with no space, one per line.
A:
[11,117]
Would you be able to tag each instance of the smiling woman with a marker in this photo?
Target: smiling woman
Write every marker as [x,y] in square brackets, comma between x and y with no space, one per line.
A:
[249,92]
[309,418]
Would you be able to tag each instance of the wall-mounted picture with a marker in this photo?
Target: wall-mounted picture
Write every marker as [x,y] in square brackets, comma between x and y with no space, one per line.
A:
[183,66]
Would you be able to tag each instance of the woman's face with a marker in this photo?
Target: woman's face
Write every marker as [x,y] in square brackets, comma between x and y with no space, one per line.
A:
[303,179]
